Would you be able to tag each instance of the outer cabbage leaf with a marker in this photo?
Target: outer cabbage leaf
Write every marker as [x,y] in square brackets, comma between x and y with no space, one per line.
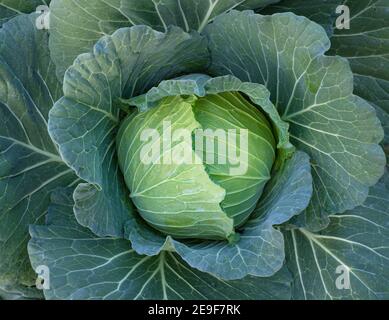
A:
[260,250]
[30,167]
[85,121]
[313,93]
[12,8]
[83,266]
[356,242]
[76,25]
[365,44]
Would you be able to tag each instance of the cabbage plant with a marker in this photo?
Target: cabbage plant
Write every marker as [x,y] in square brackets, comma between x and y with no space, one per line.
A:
[111,188]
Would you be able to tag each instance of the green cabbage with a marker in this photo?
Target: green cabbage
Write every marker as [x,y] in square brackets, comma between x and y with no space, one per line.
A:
[192,187]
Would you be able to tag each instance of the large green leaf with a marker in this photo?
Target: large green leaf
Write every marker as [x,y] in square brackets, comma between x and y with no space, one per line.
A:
[313,93]
[30,167]
[366,46]
[77,24]
[83,266]
[356,242]
[12,8]
[85,121]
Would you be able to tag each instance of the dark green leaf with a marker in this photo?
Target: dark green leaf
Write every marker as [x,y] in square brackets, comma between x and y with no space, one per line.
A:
[354,245]
[30,167]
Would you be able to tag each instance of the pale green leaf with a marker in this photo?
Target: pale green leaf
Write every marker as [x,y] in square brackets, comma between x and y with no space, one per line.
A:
[178,200]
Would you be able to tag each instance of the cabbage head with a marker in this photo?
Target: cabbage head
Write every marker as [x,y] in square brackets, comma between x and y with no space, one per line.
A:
[197,195]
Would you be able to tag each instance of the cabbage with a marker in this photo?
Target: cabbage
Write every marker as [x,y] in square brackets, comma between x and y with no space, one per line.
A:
[193,149]
[184,176]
